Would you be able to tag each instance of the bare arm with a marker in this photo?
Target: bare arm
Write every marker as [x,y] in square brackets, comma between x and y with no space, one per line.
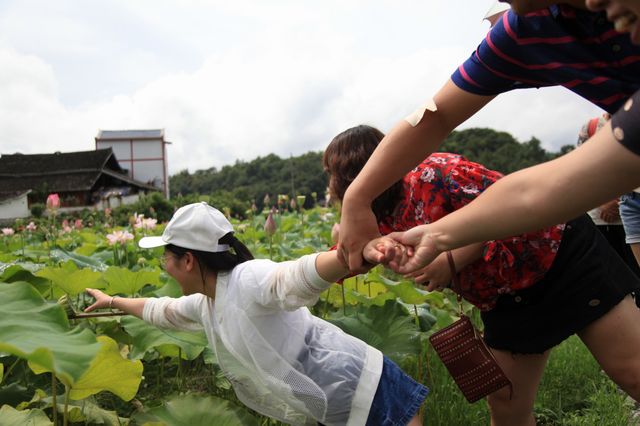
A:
[126,304]
[437,275]
[533,198]
[543,195]
[403,148]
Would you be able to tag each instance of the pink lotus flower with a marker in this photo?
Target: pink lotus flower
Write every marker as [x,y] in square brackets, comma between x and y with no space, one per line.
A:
[77,224]
[270,225]
[107,212]
[31,227]
[53,202]
[7,232]
[145,223]
[119,237]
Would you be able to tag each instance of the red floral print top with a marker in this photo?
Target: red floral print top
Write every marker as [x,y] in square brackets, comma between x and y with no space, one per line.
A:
[447,182]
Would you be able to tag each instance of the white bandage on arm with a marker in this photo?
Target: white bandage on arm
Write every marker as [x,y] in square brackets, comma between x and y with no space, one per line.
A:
[416,116]
[295,284]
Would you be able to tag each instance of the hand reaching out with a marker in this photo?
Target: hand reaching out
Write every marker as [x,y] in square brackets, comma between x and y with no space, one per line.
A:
[102,299]
[610,212]
[357,227]
[423,253]
[435,276]
[384,250]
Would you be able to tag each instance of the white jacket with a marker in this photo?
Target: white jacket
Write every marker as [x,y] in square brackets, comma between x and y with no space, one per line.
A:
[281,360]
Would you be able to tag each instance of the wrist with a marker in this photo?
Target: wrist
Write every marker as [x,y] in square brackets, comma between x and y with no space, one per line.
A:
[355,196]
[111,302]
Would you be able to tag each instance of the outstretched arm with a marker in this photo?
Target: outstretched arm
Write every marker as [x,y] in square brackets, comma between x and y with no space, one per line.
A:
[530,199]
[402,148]
[126,304]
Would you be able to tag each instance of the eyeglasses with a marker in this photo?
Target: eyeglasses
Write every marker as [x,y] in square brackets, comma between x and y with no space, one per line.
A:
[164,258]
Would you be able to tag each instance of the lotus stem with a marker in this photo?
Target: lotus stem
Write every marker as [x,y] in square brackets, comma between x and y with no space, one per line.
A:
[54,398]
[97,315]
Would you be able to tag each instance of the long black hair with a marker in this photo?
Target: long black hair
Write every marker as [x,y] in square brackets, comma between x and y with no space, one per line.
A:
[218,261]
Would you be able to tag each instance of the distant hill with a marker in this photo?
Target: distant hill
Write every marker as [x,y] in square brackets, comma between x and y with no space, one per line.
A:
[247,182]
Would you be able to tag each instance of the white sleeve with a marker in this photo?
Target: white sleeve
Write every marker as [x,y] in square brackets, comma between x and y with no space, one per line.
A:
[293,284]
[179,314]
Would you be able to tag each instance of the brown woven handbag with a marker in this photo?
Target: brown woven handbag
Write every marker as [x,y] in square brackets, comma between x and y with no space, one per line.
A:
[463,351]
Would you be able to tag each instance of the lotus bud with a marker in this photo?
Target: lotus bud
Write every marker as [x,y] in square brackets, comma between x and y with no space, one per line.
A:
[335,233]
[301,199]
[270,225]
[53,202]
[65,304]
[293,204]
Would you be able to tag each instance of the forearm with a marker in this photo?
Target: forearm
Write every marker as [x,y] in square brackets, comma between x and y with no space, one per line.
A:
[466,255]
[405,145]
[329,266]
[129,305]
[543,195]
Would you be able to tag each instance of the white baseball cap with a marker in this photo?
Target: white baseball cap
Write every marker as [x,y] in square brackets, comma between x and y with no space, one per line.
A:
[196,226]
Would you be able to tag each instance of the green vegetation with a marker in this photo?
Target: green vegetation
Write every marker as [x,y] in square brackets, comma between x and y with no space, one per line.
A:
[238,185]
[118,370]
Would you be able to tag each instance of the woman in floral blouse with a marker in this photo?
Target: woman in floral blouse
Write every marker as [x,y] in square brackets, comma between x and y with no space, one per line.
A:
[534,290]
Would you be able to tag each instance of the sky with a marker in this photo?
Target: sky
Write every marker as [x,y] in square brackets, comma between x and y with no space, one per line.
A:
[238,79]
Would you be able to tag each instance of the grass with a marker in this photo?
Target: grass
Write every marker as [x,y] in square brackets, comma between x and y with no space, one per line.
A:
[573,392]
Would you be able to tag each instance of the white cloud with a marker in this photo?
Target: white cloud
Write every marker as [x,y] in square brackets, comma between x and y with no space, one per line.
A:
[237,80]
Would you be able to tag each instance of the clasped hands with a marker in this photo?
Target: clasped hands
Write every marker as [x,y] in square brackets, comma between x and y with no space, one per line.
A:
[412,253]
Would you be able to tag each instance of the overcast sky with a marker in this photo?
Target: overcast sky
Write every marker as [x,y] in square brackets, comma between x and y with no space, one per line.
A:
[237,79]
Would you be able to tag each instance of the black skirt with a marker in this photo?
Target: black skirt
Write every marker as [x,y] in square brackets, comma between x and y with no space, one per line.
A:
[586,280]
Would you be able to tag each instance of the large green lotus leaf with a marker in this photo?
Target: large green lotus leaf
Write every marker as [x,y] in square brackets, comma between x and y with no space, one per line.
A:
[123,281]
[87,412]
[404,289]
[425,318]
[18,272]
[146,336]
[171,289]
[353,297]
[93,262]
[366,284]
[195,410]
[109,371]
[84,412]
[388,328]
[90,237]
[86,249]
[9,416]
[70,279]
[39,332]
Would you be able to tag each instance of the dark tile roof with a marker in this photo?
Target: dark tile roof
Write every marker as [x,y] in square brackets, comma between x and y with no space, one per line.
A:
[81,161]
[61,172]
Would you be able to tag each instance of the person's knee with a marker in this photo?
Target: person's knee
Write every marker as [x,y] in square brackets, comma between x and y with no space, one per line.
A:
[506,408]
[627,377]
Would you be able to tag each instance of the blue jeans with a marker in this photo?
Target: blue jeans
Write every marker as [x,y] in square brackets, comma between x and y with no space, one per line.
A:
[630,215]
[397,398]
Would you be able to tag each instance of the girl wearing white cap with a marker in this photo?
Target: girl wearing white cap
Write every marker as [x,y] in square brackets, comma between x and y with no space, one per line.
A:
[281,360]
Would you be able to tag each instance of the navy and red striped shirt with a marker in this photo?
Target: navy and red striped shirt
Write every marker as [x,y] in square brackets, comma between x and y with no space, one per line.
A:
[557,46]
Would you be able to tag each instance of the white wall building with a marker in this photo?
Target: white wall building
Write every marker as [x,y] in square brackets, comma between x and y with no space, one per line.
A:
[142,153]
[14,205]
